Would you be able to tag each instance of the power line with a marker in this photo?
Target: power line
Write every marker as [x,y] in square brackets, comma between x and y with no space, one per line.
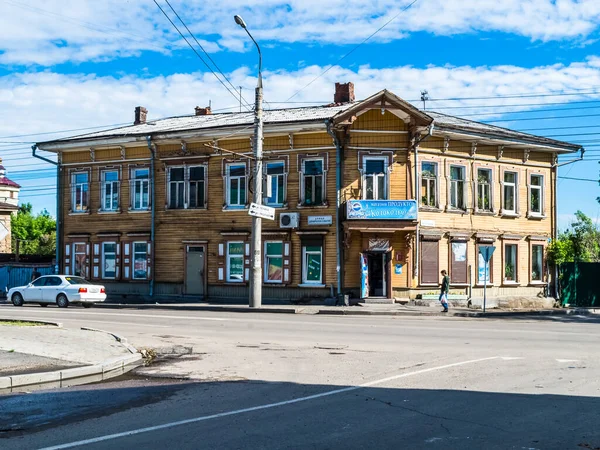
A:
[354,48]
[579,179]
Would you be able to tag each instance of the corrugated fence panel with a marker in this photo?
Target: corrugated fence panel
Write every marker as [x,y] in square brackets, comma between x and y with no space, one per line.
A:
[579,284]
[11,276]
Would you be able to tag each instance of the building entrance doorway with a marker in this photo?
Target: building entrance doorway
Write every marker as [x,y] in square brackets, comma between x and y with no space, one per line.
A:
[374,274]
[194,270]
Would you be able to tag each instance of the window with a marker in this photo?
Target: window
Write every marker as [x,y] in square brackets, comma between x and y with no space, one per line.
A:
[53,281]
[429,262]
[276,187]
[457,188]
[312,258]
[375,179]
[176,187]
[79,259]
[484,190]
[458,263]
[39,282]
[109,260]
[140,188]
[429,184]
[235,262]
[537,263]
[76,280]
[536,197]
[197,187]
[509,201]
[484,273]
[110,190]
[140,260]
[236,185]
[510,262]
[273,262]
[80,189]
[312,182]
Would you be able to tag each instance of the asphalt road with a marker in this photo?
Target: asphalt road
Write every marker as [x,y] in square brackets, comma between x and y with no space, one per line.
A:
[289,381]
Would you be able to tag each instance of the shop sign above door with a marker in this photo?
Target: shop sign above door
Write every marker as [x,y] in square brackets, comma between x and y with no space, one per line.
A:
[379,245]
[382,209]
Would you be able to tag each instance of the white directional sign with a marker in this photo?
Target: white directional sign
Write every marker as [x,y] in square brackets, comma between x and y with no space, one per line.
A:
[266,212]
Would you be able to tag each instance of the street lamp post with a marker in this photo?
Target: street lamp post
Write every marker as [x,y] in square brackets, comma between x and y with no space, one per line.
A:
[256,277]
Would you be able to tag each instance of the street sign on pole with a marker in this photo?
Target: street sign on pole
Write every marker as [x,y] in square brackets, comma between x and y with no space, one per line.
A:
[262,211]
[486,252]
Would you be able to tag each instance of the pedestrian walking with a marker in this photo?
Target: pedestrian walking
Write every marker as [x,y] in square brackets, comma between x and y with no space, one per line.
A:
[444,291]
[35,274]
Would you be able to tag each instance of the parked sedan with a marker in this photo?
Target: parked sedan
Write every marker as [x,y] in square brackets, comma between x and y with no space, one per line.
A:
[61,290]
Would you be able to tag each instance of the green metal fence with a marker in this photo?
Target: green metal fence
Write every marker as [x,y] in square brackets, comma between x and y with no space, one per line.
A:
[580,284]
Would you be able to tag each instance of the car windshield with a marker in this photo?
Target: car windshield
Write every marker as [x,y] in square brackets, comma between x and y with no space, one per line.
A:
[77,280]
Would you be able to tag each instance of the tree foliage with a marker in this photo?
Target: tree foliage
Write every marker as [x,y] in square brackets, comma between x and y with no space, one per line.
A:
[36,233]
[580,242]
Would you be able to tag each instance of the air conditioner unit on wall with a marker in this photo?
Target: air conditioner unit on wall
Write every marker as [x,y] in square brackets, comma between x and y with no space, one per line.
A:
[289,220]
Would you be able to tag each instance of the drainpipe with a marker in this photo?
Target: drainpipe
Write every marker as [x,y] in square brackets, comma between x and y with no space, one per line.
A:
[152,149]
[338,189]
[58,204]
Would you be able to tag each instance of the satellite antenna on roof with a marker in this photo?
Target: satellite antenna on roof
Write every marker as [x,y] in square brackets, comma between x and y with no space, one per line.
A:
[424,97]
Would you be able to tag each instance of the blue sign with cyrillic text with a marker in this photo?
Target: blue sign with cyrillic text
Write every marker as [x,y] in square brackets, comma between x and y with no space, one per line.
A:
[382,209]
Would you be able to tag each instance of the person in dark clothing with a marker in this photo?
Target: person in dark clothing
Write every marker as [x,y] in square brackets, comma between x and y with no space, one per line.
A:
[35,275]
[445,284]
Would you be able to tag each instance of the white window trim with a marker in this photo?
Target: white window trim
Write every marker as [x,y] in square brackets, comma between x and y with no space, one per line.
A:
[104,183]
[189,182]
[515,185]
[530,188]
[386,171]
[541,279]
[145,243]
[465,188]
[324,183]
[477,186]
[516,265]
[133,182]
[227,262]
[74,257]
[437,185]
[285,177]
[305,266]
[228,179]
[74,191]
[103,260]
[177,184]
[266,265]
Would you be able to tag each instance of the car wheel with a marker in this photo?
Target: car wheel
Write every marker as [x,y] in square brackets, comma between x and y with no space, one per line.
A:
[17,299]
[43,305]
[62,301]
[87,305]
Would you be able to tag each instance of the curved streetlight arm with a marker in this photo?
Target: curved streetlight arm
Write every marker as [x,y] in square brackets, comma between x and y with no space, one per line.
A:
[259,58]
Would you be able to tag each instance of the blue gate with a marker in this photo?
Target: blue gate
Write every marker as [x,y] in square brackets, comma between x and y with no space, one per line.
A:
[11,276]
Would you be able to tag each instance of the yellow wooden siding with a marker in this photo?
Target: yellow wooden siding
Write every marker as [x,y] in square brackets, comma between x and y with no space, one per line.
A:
[75,157]
[374,120]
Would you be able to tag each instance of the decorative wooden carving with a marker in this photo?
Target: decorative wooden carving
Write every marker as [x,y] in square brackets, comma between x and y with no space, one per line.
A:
[446,144]
[473,149]
[500,151]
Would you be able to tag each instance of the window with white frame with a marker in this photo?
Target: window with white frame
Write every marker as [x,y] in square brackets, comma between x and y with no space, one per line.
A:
[374,178]
[176,187]
[484,269]
[109,260]
[110,190]
[197,187]
[510,262]
[79,259]
[484,190]
[312,263]
[140,260]
[140,188]
[537,262]
[235,262]
[536,194]
[273,262]
[457,188]
[80,189]
[312,178]
[429,184]
[276,183]
[510,193]
[236,185]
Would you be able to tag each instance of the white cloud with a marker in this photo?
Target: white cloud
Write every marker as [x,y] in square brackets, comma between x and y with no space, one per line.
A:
[47,32]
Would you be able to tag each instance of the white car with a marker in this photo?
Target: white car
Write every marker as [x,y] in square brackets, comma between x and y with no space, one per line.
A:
[61,290]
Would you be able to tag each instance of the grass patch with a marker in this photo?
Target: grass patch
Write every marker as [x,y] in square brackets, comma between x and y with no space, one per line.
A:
[19,323]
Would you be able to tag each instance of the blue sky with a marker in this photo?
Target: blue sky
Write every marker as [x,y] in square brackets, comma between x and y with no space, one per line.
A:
[71,64]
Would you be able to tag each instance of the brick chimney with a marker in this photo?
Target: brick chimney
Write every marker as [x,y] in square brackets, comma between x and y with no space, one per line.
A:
[344,93]
[140,115]
[203,111]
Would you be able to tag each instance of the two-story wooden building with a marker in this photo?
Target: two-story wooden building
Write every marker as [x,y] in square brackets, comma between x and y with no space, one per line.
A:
[374,196]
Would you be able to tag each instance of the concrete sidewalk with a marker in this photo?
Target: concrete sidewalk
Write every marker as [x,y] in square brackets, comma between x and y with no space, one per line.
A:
[359,310]
[84,355]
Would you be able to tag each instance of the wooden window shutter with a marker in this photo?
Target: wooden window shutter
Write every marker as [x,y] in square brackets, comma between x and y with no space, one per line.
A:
[87,260]
[67,260]
[221,262]
[287,262]
[429,262]
[458,262]
[96,261]
[118,262]
[126,261]
[247,262]
[149,261]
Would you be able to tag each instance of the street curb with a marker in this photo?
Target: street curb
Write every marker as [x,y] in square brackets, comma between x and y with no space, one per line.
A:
[474,314]
[94,373]
[179,307]
[41,322]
